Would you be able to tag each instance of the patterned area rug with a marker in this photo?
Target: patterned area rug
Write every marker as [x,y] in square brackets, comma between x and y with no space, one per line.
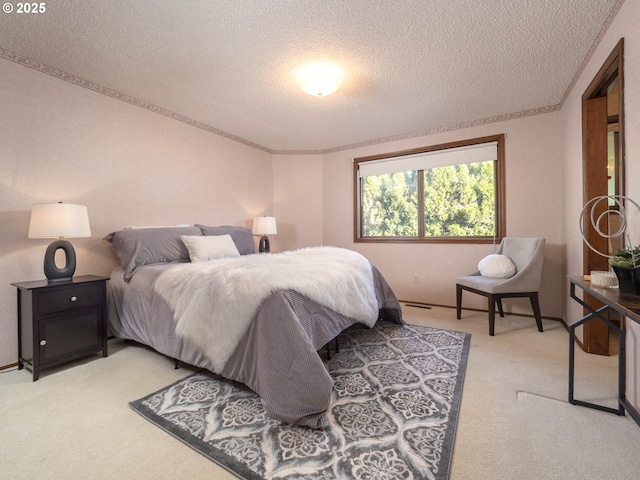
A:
[393,414]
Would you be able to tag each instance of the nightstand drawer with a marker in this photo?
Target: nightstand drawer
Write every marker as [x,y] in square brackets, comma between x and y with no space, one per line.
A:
[75,296]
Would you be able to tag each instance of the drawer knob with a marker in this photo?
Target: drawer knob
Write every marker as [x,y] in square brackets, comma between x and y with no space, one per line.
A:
[43,343]
[74,298]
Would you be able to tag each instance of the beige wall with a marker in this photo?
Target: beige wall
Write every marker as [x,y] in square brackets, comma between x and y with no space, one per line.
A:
[62,142]
[533,195]
[626,25]
[297,201]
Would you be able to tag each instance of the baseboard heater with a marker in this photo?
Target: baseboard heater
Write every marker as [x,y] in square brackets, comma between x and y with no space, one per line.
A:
[417,305]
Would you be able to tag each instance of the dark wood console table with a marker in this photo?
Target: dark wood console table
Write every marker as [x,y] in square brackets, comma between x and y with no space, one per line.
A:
[627,305]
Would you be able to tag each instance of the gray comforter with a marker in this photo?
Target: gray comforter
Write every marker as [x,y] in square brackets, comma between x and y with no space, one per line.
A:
[277,357]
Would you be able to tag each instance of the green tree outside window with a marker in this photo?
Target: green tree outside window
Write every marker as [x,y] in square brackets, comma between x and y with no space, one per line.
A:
[460,200]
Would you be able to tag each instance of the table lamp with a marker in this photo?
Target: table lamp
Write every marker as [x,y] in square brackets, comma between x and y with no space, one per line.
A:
[59,220]
[264,226]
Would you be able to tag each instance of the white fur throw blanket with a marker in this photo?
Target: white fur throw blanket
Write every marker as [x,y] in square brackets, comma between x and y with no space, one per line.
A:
[214,302]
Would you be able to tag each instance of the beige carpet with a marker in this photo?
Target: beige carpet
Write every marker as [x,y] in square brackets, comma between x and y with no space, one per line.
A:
[515,422]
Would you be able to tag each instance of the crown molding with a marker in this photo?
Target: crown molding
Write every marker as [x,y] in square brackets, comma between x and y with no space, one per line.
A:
[424,133]
[594,46]
[67,77]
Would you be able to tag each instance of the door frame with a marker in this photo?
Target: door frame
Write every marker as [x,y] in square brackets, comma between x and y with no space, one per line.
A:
[595,334]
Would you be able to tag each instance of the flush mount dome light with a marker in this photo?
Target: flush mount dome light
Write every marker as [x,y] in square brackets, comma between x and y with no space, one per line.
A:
[320,79]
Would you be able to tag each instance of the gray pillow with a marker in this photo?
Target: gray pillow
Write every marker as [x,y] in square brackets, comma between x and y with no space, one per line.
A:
[148,246]
[242,236]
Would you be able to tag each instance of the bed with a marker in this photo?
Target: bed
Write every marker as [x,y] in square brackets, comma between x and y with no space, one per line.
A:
[201,295]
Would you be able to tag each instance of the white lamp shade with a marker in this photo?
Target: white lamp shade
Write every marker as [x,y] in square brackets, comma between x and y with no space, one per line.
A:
[55,220]
[264,226]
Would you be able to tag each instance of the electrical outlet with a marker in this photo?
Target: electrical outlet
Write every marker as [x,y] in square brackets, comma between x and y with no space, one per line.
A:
[416,278]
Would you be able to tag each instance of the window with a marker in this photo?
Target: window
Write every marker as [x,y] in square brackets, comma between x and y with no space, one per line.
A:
[444,193]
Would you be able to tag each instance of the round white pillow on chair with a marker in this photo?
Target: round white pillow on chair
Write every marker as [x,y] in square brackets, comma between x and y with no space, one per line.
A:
[496,266]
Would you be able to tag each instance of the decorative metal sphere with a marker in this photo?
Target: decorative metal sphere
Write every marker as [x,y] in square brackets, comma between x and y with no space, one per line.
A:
[620,202]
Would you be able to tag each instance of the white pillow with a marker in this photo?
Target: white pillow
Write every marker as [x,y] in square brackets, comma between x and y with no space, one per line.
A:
[496,266]
[203,248]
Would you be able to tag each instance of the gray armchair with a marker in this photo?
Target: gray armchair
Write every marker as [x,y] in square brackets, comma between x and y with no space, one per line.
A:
[528,255]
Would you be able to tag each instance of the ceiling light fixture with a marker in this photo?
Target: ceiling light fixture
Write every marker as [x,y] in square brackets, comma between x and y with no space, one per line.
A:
[320,79]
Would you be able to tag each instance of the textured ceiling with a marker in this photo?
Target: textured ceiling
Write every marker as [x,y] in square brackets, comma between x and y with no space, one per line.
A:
[229,66]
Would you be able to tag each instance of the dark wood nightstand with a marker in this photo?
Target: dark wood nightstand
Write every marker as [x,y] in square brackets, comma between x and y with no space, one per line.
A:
[61,321]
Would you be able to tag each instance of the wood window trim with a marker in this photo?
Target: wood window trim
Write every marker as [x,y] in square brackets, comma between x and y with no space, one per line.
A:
[500,193]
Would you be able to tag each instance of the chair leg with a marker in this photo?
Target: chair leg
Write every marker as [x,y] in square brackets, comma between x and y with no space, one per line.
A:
[458,301]
[500,309]
[492,315]
[536,309]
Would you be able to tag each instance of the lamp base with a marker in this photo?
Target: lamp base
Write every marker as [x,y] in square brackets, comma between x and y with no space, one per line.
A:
[264,246]
[51,270]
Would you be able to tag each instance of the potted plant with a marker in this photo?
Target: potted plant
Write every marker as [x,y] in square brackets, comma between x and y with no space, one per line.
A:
[626,265]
